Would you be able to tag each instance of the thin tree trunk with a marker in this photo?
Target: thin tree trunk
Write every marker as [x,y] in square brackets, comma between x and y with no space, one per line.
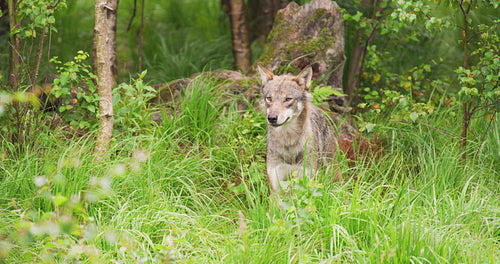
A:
[105,47]
[466,106]
[240,35]
[357,56]
[38,58]
[465,128]
[141,31]
[14,77]
[261,15]
[14,49]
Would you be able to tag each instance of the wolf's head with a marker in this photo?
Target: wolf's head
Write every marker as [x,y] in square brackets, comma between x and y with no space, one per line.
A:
[285,96]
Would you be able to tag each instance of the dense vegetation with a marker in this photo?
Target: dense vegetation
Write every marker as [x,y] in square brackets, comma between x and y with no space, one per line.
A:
[193,189]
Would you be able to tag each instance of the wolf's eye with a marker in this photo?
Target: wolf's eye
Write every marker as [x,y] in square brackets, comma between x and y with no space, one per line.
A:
[288,99]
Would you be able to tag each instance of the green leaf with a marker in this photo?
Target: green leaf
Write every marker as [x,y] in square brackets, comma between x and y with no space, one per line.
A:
[357,17]
[60,199]
[413,116]
[370,127]
[337,93]
[91,108]
[64,78]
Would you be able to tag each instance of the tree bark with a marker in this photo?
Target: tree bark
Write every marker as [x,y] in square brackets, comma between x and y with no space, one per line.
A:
[358,54]
[14,49]
[141,31]
[240,36]
[38,58]
[106,59]
[261,15]
[466,106]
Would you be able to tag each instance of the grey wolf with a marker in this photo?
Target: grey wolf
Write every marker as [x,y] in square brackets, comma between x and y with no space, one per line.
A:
[299,138]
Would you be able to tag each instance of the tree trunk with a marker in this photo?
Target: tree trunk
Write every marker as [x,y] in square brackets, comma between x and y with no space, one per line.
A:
[18,136]
[354,74]
[465,128]
[240,36]
[358,54]
[261,15]
[141,31]
[38,58]
[14,49]
[311,34]
[105,47]
[466,106]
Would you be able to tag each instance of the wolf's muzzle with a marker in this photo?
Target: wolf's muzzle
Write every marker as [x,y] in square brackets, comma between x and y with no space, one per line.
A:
[272,119]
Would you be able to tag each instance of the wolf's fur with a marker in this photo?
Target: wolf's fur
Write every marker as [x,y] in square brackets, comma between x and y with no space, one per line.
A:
[295,125]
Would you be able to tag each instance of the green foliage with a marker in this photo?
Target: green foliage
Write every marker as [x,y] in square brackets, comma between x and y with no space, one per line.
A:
[410,93]
[480,84]
[300,204]
[75,87]
[132,111]
[402,94]
[321,93]
[37,14]
[11,119]
[247,140]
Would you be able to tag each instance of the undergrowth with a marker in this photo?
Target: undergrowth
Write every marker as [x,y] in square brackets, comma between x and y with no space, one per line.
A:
[193,189]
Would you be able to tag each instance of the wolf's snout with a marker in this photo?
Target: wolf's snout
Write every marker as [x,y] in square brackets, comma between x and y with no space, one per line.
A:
[272,119]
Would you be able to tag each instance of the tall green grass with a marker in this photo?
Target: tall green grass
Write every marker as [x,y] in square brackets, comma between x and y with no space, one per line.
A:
[174,193]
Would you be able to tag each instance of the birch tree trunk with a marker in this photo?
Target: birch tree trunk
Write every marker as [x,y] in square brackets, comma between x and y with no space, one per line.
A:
[14,49]
[106,60]
[240,35]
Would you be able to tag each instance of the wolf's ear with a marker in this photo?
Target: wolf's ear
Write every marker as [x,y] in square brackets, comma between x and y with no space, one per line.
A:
[265,74]
[304,77]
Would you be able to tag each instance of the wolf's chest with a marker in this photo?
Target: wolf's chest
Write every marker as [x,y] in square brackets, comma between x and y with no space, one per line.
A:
[292,150]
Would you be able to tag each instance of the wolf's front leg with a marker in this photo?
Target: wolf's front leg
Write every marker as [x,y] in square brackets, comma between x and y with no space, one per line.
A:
[300,170]
[280,172]
[276,172]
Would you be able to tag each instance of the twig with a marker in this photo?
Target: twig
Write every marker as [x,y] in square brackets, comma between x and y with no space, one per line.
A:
[479,107]
[38,57]
[133,15]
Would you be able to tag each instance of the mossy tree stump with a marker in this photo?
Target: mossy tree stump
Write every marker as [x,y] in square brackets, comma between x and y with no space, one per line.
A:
[312,34]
